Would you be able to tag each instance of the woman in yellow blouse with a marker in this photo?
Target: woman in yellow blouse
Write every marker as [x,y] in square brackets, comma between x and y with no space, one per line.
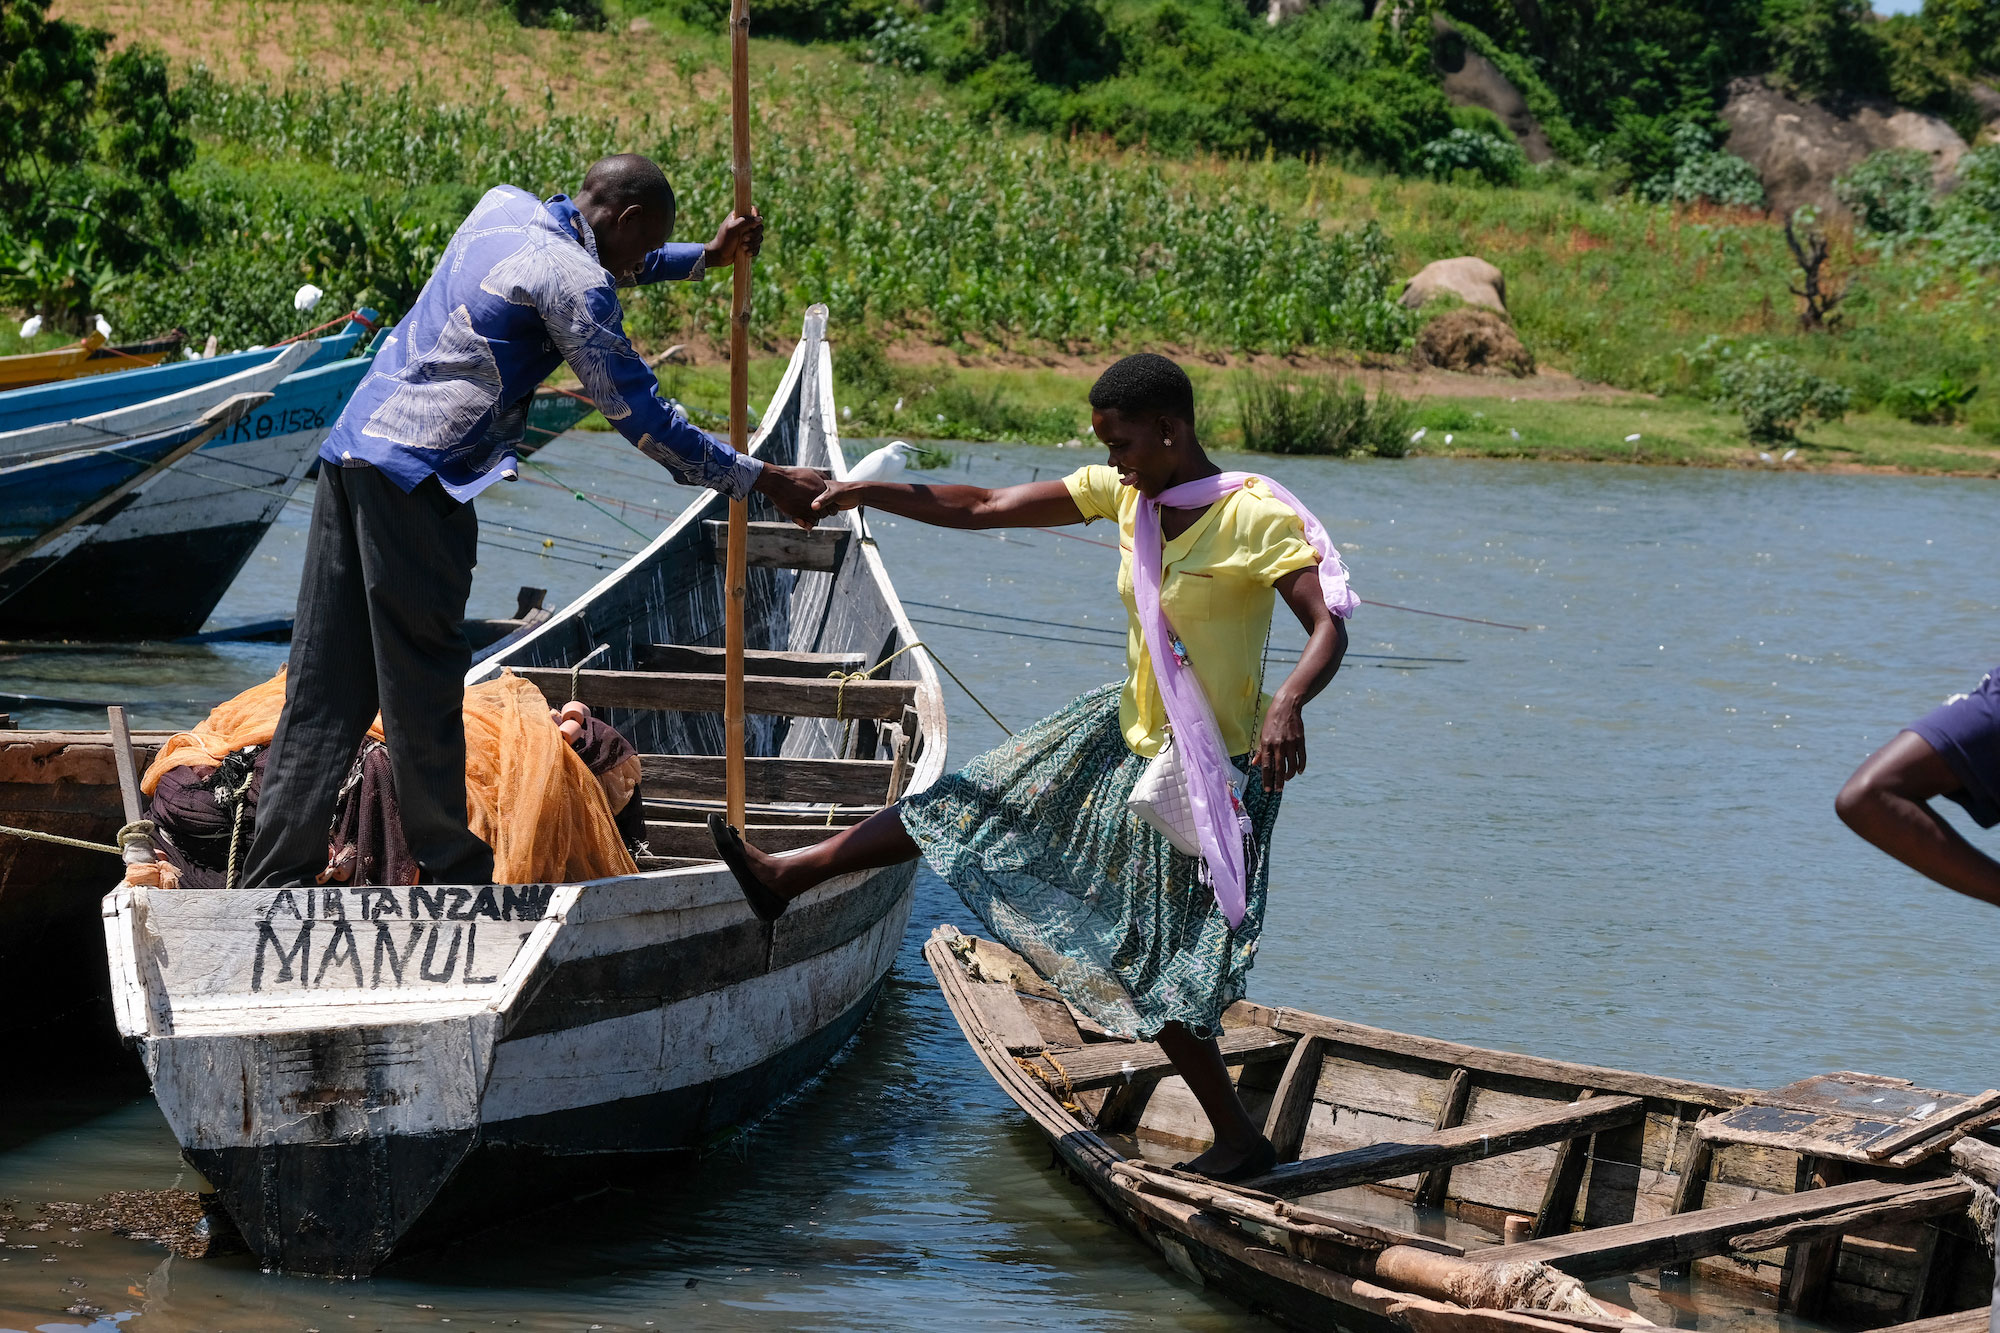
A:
[1035,835]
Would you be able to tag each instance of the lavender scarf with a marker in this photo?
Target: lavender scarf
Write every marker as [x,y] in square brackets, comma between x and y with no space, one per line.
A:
[1218,814]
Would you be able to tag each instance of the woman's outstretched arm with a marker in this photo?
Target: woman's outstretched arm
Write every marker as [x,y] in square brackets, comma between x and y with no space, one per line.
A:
[1281,750]
[1038,504]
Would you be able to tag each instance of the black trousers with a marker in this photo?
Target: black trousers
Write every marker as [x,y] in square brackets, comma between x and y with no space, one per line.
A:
[379,625]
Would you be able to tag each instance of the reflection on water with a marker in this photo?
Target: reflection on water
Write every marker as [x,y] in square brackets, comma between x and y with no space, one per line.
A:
[1609,840]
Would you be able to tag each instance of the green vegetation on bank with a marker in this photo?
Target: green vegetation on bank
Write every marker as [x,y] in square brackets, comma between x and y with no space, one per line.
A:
[906,198]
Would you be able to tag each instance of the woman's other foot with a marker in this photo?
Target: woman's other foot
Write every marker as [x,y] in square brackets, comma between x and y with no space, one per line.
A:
[741,859]
[1232,1164]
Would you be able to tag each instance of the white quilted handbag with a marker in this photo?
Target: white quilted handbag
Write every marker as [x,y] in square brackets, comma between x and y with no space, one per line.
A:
[1160,797]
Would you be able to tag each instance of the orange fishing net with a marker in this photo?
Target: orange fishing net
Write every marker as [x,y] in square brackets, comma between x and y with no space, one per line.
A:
[527,793]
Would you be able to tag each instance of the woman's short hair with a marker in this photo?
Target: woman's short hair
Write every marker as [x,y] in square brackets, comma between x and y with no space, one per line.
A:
[1145,382]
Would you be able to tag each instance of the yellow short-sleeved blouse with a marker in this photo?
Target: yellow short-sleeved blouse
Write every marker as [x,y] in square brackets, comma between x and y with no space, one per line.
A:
[1215,588]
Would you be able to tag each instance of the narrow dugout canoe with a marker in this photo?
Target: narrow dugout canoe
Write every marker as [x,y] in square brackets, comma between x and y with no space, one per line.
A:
[91,356]
[1846,1198]
[356,1070]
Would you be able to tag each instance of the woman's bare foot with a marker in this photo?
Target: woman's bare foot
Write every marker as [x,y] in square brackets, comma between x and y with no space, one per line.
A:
[1233,1162]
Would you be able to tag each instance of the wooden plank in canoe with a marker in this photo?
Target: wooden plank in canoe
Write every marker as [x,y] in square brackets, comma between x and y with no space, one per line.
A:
[756,813]
[1001,1014]
[667,838]
[785,545]
[692,657]
[1112,1062]
[831,781]
[1682,1238]
[1511,1064]
[1976,1320]
[691,692]
[1451,1147]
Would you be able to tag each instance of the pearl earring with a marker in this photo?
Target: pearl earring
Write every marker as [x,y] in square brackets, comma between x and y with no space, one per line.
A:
[1167,441]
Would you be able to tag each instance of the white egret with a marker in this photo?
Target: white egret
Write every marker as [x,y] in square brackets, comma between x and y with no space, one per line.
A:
[1790,454]
[31,326]
[306,298]
[1515,433]
[1421,432]
[1633,438]
[885,464]
[1763,457]
[104,326]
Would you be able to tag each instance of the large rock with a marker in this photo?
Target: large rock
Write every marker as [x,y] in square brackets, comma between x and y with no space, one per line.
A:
[1474,340]
[1470,79]
[1468,277]
[1799,147]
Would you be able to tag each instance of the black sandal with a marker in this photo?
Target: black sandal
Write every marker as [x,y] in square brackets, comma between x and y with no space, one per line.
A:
[729,846]
[1258,1163]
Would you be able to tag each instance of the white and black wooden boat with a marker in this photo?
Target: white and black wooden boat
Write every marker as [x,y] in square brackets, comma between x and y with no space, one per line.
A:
[1408,1165]
[350,1068]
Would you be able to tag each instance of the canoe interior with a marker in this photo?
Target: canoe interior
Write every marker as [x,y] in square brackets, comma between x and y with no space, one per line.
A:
[1602,1169]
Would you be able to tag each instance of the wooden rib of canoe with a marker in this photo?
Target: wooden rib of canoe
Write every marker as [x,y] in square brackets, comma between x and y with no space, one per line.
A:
[1844,1198]
[92,355]
[356,1071]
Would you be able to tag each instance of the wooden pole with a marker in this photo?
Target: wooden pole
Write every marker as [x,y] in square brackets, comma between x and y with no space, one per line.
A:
[736,574]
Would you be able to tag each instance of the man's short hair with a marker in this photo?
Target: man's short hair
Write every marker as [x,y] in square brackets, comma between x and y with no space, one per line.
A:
[1146,382]
[625,179]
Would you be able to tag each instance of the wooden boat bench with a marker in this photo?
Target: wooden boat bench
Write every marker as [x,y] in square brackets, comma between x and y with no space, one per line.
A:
[1769,1223]
[792,802]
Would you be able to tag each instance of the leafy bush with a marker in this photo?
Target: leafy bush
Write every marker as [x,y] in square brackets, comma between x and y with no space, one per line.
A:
[1934,400]
[1890,193]
[1486,157]
[87,148]
[1281,415]
[1702,171]
[1773,393]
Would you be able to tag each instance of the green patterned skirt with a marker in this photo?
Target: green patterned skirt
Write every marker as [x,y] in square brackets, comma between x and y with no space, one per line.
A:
[1035,837]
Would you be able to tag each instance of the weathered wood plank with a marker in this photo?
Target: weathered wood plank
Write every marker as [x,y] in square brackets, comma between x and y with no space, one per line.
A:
[1565,1179]
[1893,1142]
[1106,1063]
[1470,1143]
[785,545]
[1924,1201]
[998,1010]
[1688,1236]
[694,692]
[834,781]
[694,658]
[1291,1104]
[1975,1320]
[760,813]
[1450,1054]
[692,840]
[1436,1182]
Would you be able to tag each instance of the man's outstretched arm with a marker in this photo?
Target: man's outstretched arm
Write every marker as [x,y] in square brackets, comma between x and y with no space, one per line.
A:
[1887,801]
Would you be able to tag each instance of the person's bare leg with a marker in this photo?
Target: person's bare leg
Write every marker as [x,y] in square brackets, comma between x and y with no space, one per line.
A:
[1199,1061]
[877,841]
[1886,802]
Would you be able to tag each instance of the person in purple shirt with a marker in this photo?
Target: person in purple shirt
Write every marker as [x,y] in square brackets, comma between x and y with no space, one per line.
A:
[525,286]
[1952,751]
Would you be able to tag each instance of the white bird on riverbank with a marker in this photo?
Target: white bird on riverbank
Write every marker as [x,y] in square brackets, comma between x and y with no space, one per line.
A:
[31,326]
[885,463]
[104,326]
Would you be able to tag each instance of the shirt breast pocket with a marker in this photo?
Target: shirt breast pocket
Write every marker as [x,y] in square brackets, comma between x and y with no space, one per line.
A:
[1188,599]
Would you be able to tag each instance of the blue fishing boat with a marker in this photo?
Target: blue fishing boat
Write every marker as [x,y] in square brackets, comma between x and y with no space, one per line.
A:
[158,565]
[67,399]
[53,504]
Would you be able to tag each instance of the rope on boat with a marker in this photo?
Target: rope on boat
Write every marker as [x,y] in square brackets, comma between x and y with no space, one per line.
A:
[576,672]
[1984,1210]
[57,838]
[843,677]
[354,315]
[1508,1286]
[1062,1089]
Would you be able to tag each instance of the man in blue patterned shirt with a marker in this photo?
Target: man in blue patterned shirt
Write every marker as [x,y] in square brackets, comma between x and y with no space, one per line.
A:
[525,286]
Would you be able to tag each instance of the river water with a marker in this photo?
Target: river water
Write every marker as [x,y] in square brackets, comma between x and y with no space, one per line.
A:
[1608,837]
